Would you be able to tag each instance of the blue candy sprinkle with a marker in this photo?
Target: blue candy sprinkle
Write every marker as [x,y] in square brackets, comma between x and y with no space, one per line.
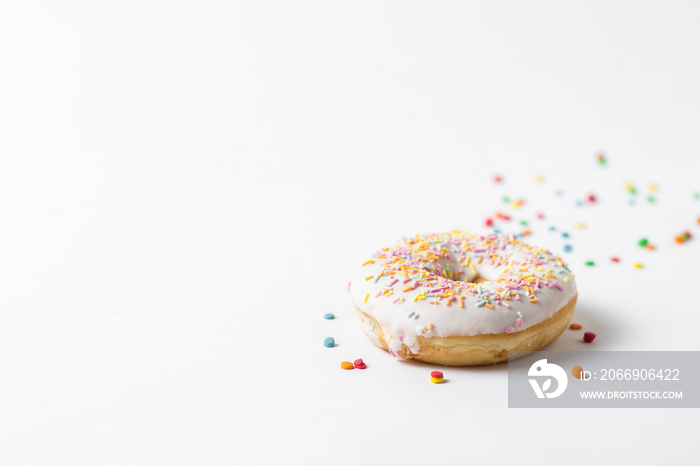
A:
[328,316]
[564,234]
[552,228]
[329,342]
[567,248]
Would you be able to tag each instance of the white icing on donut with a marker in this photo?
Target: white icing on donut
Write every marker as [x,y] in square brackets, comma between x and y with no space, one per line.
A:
[423,286]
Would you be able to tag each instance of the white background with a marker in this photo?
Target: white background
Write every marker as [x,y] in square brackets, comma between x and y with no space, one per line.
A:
[187,187]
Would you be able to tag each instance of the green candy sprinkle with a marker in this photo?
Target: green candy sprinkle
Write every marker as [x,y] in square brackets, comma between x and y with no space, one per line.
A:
[643,242]
[590,263]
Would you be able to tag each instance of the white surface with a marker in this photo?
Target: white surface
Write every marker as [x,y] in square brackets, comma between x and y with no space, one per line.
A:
[186,189]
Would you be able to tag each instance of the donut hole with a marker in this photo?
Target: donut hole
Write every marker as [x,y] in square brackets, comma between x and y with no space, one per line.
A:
[479,271]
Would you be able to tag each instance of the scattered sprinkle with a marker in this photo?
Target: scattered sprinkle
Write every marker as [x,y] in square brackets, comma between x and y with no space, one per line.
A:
[359,364]
[539,178]
[615,259]
[591,198]
[497,179]
[589,263]
[588,337]
[638,266]
[329,342]
[347,365]
[577,371]
[601,159]
[567,248]
[437,377]
[683,237]
[575,326]
[329,316]
[643,242]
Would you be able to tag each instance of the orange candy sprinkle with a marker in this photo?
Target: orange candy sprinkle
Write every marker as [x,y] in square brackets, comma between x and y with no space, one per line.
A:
[577,371]
[575,326]
[347,365]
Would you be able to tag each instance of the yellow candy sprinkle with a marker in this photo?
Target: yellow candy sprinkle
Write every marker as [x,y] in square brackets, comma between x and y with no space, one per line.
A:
[434,380]
[367,297]
[638,266]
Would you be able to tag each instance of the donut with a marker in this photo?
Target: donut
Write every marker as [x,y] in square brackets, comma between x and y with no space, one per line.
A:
[458,299]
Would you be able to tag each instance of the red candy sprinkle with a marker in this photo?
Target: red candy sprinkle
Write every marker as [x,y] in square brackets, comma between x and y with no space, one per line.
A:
[588,337]
[436,375]
[591,198]
[615,259]
[540,216]
[497,178]
[360,364]
[489,222]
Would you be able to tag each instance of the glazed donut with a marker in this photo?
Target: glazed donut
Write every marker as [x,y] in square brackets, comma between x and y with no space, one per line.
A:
[458,299]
